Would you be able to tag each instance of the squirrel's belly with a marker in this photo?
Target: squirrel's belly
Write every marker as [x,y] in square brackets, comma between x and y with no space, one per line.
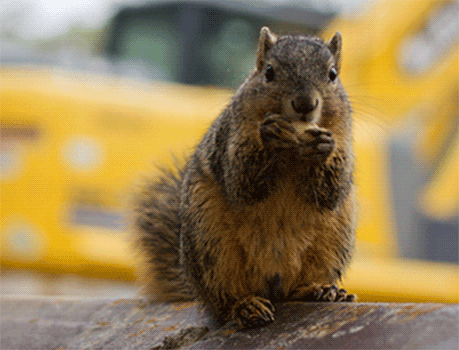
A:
[280,267]
[283,244]
[274,242]
[262,249]
[273,271]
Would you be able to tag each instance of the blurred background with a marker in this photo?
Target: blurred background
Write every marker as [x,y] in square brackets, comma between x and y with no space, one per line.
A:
[93,94]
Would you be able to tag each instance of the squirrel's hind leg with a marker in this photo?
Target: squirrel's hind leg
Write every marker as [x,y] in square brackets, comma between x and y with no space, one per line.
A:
[252,311]
[326,292]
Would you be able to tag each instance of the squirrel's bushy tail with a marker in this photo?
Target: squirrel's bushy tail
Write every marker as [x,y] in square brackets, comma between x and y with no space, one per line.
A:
[157,229]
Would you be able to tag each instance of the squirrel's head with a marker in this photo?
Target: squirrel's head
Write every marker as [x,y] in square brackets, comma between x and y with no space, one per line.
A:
[297,76]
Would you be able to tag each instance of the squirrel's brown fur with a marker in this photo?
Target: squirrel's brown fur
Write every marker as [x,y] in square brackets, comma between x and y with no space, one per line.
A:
[264,209]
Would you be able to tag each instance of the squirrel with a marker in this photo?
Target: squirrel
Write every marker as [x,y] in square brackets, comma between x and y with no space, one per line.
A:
[264,210]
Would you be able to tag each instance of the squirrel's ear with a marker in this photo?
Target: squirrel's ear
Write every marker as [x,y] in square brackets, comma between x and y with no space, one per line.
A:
[334,45]
[267,40]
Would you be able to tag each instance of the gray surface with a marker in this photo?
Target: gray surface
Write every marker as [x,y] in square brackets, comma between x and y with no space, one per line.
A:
[58,323]
[419,236]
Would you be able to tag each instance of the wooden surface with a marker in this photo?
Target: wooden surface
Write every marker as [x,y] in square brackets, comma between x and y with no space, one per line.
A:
[78,323]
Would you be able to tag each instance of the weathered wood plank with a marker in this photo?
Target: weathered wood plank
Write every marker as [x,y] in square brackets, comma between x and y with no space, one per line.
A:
[76,323]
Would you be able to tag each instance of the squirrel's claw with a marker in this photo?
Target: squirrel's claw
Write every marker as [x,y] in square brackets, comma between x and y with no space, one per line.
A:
[277,133]
[253,312]
[316,142]
[323,293]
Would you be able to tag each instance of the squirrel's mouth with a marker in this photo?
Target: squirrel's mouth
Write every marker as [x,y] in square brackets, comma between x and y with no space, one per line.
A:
[303,106]
[311,115]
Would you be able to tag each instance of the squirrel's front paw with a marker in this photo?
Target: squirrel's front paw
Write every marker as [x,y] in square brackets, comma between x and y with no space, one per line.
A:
[316,143]
[278,133]
[327,292]
[253,312]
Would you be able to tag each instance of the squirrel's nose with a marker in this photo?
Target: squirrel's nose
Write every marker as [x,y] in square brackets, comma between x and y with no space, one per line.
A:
[304,104]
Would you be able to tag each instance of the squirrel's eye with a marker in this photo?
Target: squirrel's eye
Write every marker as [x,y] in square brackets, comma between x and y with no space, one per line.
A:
[332,74]
[269,73]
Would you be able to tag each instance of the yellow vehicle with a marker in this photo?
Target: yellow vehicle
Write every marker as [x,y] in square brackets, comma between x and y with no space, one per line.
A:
[74,146]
